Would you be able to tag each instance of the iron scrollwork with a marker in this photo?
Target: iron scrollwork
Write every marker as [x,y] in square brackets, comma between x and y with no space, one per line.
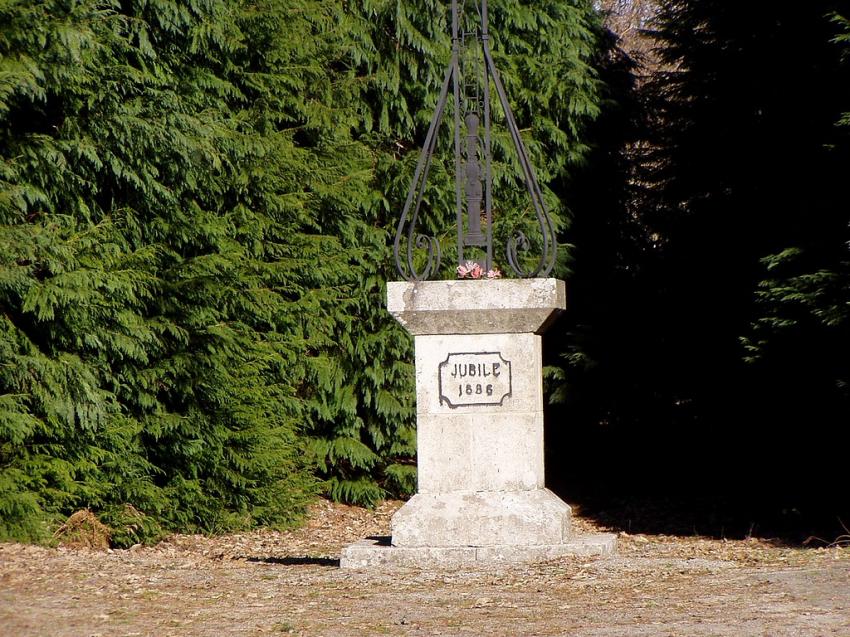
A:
[469,76]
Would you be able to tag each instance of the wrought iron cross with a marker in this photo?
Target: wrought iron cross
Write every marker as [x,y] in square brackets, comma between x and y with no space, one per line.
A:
[470,74]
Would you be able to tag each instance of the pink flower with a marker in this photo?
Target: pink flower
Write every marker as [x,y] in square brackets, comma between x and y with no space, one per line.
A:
[470,269]
[473,270]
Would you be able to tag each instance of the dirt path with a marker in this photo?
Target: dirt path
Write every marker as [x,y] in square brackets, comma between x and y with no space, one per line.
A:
[288,583]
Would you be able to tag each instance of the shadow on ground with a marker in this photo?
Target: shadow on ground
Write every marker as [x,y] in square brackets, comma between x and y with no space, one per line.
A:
[295,561]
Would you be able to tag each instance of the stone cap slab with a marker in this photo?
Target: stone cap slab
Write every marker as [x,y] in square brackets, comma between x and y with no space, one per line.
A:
[498,306]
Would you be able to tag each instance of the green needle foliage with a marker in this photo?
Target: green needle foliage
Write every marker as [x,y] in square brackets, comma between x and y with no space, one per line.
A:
[176,197]
[196,203]
[803,321]
[364,437]
[718,216]
[544,54]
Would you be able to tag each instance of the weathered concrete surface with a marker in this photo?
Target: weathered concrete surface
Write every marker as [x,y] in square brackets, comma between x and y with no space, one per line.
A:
[476,307]
[489,447]
[504,452]
[522,351]
[479,417]
[376,554]
[488,518]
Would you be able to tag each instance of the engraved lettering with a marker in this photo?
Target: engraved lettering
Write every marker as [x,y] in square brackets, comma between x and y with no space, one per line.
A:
[488,375]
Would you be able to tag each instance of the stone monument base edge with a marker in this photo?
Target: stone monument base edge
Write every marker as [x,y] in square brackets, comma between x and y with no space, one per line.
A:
[535,517]
[377,554]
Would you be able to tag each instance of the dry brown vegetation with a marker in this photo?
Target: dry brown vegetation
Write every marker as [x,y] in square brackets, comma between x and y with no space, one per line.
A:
[630,20]
[289,583]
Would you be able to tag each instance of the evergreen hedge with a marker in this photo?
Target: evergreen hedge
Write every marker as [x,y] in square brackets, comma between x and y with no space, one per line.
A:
[544,51]
[176,187]
[196,204]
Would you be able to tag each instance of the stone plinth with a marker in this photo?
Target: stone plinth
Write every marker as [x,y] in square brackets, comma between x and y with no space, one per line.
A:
[479,397]
[483,518]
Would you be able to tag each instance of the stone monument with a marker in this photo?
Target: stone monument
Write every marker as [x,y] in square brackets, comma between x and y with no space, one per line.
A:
[481,496]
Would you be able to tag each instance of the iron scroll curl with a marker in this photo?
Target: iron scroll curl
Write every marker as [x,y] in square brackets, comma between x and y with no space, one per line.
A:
[410,214]
[468,110]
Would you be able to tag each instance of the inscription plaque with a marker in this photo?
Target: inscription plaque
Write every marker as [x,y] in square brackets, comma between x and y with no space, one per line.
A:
[469,379]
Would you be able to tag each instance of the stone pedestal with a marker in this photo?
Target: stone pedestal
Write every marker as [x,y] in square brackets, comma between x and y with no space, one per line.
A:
[479,399]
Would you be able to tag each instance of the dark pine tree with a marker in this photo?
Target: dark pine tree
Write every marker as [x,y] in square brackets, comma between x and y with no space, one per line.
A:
[724,368]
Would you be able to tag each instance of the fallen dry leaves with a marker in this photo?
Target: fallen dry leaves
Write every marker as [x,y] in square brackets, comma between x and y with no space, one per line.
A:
[269,582]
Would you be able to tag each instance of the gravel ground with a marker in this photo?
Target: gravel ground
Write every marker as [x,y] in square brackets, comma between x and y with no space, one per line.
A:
[270,583]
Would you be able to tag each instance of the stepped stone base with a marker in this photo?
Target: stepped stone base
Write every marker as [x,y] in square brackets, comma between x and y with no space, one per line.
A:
[477,529]
[377,553]
[535,517]
[481,499]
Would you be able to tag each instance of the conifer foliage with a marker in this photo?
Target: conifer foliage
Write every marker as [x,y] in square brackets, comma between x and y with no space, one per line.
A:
[176,182]
[544,53]
[365,444]
[804,300]
[712,297]
[197,199]
[751,210]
